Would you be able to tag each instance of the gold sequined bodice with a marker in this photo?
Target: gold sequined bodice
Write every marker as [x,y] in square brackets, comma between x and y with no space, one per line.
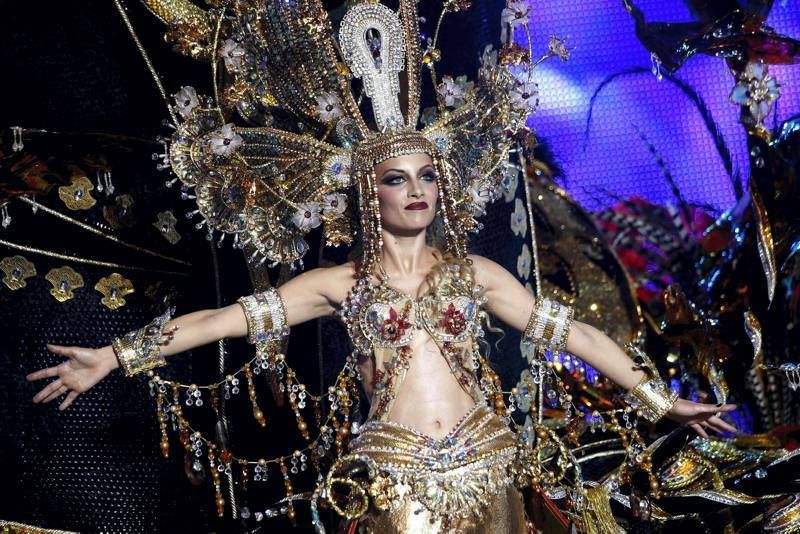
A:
[383,322]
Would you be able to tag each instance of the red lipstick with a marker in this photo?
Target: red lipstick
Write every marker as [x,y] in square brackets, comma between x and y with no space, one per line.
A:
[417,206]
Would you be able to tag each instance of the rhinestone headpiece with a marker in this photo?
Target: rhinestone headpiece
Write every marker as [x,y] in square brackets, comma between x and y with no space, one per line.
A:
[273,154]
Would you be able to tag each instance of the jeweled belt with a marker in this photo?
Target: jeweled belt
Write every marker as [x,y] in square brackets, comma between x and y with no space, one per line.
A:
[453,477]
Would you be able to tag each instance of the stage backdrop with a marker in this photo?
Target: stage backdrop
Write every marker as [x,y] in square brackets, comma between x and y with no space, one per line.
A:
[614,159]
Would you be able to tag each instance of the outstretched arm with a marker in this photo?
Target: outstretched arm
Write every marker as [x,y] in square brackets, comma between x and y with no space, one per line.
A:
[308,296]
[512,303]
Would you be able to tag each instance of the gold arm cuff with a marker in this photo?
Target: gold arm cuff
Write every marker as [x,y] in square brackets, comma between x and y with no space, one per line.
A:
[549,324]
[652,398]
[140,350]
[265,315]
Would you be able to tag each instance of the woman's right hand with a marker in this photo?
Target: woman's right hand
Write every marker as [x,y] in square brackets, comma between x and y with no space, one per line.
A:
[83,369]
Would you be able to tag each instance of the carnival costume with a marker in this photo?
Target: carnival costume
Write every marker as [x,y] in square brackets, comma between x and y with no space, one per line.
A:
[309,151]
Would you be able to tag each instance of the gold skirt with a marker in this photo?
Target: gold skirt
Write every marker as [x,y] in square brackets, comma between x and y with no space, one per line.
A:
[459,483]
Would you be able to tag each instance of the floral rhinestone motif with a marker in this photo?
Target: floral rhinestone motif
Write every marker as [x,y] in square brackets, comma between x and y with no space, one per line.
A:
[225,141]
[454,92]
[453,321]
[186,101]
[232,54]
[328,107]
[756,90]
[516,14]
[334,204]
[307,216]
[394,328]
[525,96]
[338,170]
[519,222]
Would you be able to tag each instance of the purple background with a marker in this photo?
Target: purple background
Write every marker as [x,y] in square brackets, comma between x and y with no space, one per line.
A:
[600,34]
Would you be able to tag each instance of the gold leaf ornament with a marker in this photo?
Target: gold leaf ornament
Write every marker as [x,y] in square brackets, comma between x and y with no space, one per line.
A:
[65,280]
[16,269]
[114,288]
[77,195]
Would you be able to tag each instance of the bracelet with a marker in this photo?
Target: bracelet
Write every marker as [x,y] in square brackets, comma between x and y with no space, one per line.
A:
[265,315]
[651,396]
[140,350]
[549,324]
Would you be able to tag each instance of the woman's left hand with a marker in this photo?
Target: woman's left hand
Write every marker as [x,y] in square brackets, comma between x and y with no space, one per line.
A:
[701,416]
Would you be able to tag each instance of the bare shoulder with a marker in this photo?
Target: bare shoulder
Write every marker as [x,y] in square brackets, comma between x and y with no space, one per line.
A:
[332,282]
[484,267]
[488,273]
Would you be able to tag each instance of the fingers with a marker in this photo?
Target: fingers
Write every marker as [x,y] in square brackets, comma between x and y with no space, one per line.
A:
[48,390]
[699,429]
[721,408]
[716,409]
[721,426]
[50,372]
[69,400]
[43,373]
[67,352]
[55,394]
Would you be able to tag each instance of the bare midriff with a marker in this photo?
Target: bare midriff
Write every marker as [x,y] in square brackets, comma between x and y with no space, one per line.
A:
[430,399]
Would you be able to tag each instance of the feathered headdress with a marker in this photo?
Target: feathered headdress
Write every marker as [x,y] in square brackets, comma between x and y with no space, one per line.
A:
[283,140]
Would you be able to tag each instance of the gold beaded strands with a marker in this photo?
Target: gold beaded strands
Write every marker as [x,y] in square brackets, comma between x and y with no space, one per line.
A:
[369,229]
[251,391]
[373,241]
[376,215]
[162,421]
[212,465]
[287,484]
[295,392]
[245,475]
[455,240]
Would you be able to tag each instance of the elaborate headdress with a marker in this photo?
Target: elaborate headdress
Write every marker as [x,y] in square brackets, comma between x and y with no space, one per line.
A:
[303,139]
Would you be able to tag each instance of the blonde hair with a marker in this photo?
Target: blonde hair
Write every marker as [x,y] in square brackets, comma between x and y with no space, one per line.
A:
[443,271]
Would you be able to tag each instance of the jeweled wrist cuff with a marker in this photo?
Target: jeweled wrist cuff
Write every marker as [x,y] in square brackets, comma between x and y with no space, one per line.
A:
[265,315]
[549,324]
[652,398]
[140,350]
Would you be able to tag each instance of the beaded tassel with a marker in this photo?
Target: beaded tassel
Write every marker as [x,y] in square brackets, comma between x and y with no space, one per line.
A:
[162,422]
[344,426]
[245,475]
[287,483]
[251,389]
[302,426]
[218,498]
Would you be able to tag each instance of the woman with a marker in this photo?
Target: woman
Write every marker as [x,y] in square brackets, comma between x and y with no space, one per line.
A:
[434,398]
[439,458]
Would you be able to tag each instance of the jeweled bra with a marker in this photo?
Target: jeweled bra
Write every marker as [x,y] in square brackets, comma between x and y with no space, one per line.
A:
[383,321]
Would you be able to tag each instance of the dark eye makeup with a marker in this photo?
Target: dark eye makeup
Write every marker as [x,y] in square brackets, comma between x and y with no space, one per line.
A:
[396,179]
[392,179]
